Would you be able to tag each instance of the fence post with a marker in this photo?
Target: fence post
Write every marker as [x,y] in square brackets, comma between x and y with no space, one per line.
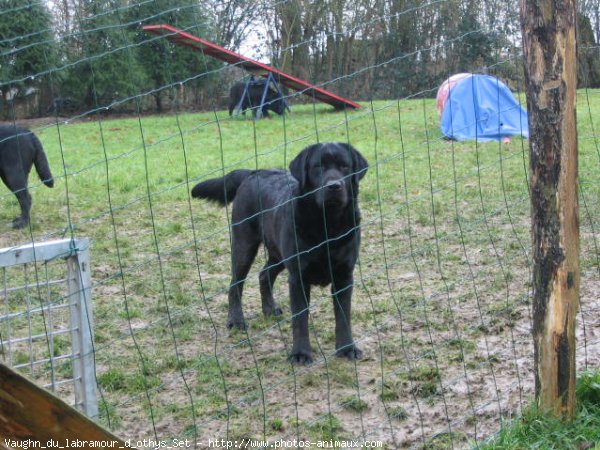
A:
[549,48]
[84,370]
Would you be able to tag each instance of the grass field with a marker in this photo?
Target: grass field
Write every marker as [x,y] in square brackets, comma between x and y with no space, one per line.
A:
[441,303]
[536,430]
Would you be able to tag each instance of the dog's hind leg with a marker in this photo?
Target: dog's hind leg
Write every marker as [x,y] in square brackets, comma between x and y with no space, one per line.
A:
[266,278]
[17,183]
[243,251]
[25,203]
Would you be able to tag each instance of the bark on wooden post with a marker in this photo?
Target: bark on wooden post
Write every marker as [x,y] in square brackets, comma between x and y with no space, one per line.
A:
[549,48]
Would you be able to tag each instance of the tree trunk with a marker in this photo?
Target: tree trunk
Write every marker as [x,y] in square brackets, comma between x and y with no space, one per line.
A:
[291,32]
[549,48]
[158,102]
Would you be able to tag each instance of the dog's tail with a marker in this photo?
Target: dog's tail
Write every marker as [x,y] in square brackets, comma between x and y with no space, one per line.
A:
[221,190]
[41,162]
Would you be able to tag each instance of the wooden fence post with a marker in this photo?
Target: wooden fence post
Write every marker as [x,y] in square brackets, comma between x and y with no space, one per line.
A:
[549,48]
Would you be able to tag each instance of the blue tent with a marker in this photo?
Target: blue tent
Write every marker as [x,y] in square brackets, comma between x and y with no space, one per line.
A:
[481,107]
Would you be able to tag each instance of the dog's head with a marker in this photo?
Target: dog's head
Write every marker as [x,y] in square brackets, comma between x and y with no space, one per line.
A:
[276,102]
[332,170]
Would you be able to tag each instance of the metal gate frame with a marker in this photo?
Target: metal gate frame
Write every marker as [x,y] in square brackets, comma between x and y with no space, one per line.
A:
[76,254]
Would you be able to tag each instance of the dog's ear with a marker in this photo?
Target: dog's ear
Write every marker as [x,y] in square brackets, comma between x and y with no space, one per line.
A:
[359,163]
[298,166]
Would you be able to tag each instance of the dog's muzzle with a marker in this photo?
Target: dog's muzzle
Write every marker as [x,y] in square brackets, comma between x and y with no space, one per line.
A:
[334,193]
[334,186]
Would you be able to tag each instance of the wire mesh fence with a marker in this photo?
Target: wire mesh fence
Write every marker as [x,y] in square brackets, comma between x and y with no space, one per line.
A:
[442,287]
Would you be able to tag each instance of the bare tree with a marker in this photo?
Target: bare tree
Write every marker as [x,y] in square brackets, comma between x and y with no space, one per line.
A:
[235,20]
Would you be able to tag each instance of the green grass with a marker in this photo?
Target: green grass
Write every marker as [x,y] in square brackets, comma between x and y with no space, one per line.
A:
[354,403]
[443,268]
[534,429]
[327,427]
[116,380]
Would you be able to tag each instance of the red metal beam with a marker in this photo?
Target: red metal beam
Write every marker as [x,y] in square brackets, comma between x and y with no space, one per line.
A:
[178,36]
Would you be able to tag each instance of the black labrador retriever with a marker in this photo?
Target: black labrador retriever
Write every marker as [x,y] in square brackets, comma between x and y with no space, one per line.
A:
[274,100]
[19,150]
[308,220]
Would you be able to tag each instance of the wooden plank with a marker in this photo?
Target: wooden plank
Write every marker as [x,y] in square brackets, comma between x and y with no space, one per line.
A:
[549,48]
[41,251]
[30,414]
[180,37]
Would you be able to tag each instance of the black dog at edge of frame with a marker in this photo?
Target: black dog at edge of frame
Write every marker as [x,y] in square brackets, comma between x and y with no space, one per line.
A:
[20,149]
[309,221]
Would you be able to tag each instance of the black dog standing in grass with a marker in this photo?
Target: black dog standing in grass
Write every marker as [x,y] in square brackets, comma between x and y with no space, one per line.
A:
[308,220]
[19,150]
[273,101]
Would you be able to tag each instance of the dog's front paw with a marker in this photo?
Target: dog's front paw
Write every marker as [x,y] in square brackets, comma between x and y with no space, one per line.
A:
[301,358]
[236,322]
[350,352]
[274,310]
[19,223]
